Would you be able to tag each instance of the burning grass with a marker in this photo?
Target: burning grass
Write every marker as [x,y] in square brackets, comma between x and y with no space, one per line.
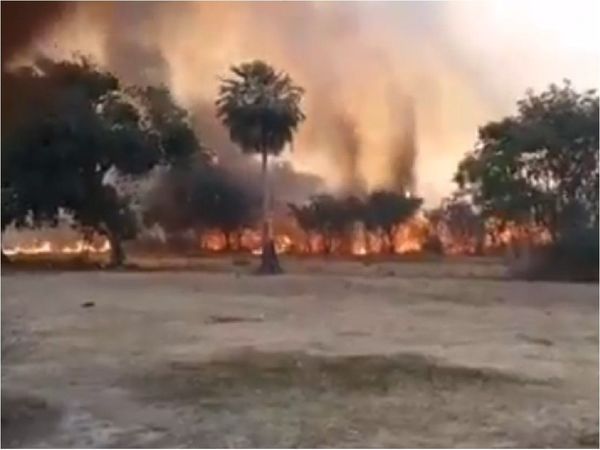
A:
[410,241]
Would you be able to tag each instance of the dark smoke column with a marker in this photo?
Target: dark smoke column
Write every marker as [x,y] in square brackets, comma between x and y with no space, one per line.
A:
[22,22]
[404,148]
[346,142]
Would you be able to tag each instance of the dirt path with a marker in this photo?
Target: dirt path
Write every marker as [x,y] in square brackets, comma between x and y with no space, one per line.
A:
[348,357]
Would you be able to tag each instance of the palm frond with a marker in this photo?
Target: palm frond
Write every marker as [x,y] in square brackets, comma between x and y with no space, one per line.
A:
[260,107]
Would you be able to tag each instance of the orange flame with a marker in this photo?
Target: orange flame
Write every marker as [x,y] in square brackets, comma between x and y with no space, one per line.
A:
[409,237]
[45,247]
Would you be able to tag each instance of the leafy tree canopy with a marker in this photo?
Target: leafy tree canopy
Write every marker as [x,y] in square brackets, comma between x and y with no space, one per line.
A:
[74,123]
[386,209]
[541,165]
[260,107]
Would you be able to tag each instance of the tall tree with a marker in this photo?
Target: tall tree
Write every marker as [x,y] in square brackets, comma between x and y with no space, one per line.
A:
[539,166]
[261,109]
[73,125]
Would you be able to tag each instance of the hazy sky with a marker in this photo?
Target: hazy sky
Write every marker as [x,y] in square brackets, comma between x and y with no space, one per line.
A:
[458,64]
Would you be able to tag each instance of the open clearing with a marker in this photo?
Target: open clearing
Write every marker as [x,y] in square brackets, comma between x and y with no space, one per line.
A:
[330,354]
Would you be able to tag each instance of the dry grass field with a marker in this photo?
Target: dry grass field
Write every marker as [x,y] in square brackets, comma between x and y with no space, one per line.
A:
[331,354]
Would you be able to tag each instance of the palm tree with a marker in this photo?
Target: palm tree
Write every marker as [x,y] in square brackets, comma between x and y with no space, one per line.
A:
[261,109]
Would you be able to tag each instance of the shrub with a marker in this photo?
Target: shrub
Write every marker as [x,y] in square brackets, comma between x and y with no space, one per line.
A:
[573,257]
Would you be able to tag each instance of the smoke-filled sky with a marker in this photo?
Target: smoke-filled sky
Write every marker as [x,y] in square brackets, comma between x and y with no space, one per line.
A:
[394,91]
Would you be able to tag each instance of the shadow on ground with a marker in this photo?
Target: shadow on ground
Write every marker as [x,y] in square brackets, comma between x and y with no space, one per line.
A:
[255,399]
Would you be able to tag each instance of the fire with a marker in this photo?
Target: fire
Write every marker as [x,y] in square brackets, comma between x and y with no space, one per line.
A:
[409,237]
[45,247]
[283,244]
[412,236]
[406,238]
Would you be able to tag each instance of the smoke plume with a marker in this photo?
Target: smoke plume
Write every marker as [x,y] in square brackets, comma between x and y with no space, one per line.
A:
[22,22]
[394,92]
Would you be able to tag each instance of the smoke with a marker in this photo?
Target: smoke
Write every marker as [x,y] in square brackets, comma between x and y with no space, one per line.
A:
[22,22]
[394,92]
[403,148]
[346,142]
[135,59]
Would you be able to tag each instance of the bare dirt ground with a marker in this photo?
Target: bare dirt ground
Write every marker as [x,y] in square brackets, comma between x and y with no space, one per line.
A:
[337,354]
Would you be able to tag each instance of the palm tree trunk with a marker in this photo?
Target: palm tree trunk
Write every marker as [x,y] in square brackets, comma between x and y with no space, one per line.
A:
[269,263]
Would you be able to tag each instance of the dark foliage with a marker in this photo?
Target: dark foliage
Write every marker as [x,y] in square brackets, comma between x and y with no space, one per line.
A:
[72,125]
[333,217]
[200,197]
[260,107]
[539,165]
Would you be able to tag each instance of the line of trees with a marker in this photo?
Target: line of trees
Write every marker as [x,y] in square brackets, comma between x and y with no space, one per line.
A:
[74,125]
[380,212]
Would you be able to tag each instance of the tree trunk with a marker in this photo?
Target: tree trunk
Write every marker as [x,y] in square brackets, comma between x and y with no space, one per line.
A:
[269,263]
[117,254]
[327,244]
[479,244]
[391,244]
[232,239]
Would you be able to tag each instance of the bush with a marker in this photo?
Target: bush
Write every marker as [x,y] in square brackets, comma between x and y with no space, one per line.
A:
[573,257]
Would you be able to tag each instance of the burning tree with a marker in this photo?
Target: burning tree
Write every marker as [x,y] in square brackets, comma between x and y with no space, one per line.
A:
[385,210]
[261,109]
[73,125]
[306,217]
[333,218]
[459,227]
[201,198]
